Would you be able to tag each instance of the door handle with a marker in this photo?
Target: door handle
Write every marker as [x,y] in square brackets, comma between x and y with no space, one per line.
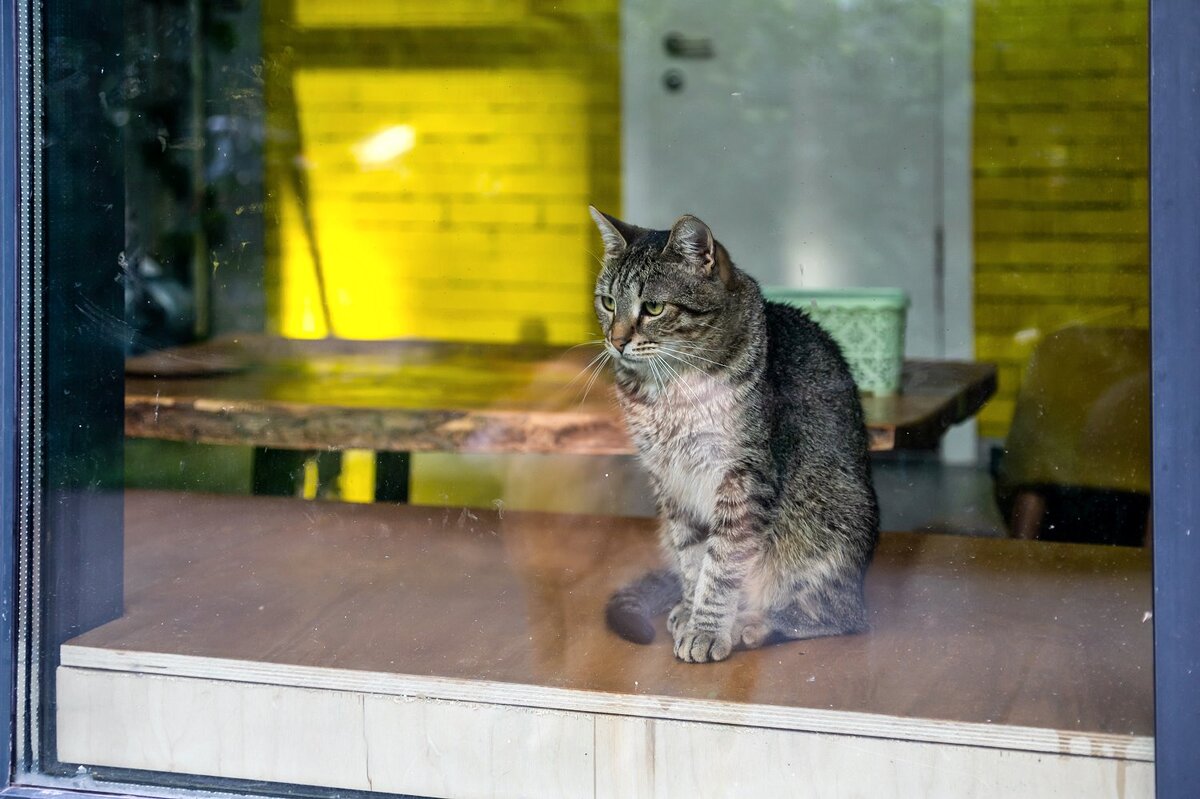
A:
[679,46]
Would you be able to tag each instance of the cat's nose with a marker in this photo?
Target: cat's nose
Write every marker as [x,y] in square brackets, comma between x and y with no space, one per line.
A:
[619,341]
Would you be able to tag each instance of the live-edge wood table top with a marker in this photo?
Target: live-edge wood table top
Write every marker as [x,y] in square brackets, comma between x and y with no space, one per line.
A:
[421,396]
[969,636]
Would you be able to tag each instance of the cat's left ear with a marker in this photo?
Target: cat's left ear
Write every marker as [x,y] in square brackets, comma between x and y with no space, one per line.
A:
[693,239]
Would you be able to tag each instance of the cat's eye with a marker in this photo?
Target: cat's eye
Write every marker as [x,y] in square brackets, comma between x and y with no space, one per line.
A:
[607,302]
[653,308]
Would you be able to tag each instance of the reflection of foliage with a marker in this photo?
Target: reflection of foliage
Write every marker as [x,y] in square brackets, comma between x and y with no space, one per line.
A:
[169,199]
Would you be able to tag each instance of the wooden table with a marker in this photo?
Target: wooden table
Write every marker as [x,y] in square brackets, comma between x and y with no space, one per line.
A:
[418,396]
[987,644]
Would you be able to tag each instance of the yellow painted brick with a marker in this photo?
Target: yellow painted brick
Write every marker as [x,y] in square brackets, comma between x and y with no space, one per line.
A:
[1129,159]
[555,183]
[1070,58]
[565,214]
[1037,6]
[998,316]
[1060,252]
[990,94]
[494,213]
[443,240]
[1063,286]
[388,13]
[1015,346]
[1140,189]
[1132,21]
[1123,124]
[1015,224]
[1064,21]
[1049,188]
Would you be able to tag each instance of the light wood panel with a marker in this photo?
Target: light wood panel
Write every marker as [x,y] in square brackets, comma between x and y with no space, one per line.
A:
[420,396]
[1023,645]
[335,739]
[429,747]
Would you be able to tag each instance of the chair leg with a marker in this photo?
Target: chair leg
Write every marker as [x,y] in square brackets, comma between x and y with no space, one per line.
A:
[1029,507]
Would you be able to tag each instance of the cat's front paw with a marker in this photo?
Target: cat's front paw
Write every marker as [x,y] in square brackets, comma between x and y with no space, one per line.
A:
[693,646]
[679,618]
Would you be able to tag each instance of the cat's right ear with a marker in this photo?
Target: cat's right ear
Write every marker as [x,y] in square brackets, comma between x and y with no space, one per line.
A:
[616,234]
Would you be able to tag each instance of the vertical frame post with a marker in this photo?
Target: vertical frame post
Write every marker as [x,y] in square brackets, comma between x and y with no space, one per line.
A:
[1175,362]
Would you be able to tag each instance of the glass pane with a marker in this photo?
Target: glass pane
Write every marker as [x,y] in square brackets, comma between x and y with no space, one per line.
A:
[376,460]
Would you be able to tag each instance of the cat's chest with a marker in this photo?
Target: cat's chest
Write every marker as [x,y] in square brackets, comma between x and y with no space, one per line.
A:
[687,437]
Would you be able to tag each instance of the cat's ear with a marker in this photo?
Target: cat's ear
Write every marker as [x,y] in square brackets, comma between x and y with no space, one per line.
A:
[693,239]
[616,234]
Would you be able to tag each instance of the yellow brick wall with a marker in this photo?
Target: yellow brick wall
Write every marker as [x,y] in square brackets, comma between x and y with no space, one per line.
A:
[1060,185]
[450,150]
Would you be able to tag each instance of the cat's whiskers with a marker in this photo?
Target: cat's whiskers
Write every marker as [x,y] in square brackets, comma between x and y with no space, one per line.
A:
[679,379]
[602,362]
[687,354]
[587,369]
[692,346]
[589,343]
[658,375]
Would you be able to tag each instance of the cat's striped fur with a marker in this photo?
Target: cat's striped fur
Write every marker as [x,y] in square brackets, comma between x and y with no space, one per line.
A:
[748,421]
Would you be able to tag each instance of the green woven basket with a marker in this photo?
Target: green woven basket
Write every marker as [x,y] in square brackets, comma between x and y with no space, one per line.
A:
[868,324]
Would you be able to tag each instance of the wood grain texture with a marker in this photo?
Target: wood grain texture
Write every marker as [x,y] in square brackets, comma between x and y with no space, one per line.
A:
[420,396]
[430,747]
[660,759]
[1024,645]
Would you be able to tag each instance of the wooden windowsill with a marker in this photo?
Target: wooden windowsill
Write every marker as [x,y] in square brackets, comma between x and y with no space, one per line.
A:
[993,643]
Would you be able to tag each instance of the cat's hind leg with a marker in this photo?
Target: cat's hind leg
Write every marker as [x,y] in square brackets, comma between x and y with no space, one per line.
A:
[831,608]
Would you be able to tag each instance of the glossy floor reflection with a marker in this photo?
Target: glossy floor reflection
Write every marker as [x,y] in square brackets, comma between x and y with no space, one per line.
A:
[1038,646]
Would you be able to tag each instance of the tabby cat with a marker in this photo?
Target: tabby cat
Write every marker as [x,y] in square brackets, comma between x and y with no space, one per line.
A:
[747,419]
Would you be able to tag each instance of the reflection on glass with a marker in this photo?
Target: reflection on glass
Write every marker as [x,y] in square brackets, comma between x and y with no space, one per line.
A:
[359,269]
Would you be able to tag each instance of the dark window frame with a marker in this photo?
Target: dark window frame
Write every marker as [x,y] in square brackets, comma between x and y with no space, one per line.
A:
[1175,333]
[1175,381]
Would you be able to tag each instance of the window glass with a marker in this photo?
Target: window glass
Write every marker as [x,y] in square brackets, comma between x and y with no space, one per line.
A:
[504,397]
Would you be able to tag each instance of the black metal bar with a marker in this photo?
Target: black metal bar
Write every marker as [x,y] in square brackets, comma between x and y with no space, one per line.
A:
[392,473]
[1175,361]
[278,472]
[10,125]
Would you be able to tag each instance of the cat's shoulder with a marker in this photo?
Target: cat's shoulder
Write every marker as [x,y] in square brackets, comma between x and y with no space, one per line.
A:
[789,324]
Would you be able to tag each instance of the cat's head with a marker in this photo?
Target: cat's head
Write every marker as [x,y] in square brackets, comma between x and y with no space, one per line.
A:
[662,293]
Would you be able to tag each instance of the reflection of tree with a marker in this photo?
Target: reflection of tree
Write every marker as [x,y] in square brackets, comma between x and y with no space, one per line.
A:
[187,152]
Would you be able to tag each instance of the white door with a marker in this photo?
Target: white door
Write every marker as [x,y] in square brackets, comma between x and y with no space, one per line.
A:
[812,136]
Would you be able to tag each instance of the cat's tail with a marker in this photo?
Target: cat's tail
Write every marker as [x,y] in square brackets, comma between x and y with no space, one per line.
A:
[631,610]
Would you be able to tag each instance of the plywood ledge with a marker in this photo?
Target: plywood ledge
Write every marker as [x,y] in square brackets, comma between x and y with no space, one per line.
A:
[996,651]
[870,725]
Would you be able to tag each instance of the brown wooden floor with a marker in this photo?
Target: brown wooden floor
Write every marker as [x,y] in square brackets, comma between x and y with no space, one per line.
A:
[970,630]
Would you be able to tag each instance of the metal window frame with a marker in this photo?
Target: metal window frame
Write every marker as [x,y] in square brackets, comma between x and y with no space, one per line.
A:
[1175,357]
[9,299]
[1175,381]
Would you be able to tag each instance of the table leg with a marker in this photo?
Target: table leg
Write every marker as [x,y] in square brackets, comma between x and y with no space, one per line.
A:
[279,472]
[392,472]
